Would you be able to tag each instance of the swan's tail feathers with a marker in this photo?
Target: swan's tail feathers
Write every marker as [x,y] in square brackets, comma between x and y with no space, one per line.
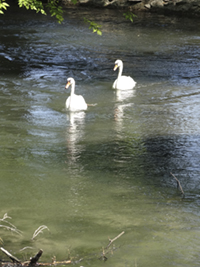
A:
[92,105]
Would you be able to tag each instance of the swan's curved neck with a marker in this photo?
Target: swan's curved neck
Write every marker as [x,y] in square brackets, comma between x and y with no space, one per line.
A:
[120,71]
[72,88]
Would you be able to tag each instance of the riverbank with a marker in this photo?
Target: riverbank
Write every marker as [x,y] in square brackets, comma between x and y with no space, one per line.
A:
[185,7]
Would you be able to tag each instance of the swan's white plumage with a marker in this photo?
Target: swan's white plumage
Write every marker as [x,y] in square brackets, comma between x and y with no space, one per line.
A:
[122,82]
[74,102]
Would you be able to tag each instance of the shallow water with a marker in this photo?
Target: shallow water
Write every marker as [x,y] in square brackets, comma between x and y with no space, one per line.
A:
[89,176]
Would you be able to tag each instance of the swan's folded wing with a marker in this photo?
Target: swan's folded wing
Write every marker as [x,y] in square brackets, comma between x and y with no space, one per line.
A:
[124,83]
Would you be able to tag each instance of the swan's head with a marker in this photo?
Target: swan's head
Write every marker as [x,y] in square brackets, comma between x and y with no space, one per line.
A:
[118,63]
[70,81]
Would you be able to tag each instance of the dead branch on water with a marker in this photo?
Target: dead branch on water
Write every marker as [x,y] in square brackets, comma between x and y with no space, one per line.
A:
[32,262]
[112,240]
[34,259]
[13,258]
[178,184]
[105,251]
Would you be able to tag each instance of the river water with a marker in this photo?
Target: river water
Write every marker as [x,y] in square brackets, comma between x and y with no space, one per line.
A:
[89,176]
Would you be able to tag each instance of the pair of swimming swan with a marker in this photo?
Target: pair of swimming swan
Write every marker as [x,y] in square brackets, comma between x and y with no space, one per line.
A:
[77,102]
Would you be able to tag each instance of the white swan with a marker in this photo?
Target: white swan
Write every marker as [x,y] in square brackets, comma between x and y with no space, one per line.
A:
[74,102]
[122,82]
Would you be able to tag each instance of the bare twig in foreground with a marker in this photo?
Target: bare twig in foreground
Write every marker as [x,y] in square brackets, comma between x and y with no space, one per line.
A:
[105,251]
[13,258]
[178,184]
[39,230]
[36,257]
[112,240]
[32,262]
[54,262]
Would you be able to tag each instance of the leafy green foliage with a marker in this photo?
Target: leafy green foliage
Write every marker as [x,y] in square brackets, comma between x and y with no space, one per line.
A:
[129,15]
[37,5]
[94,26]
[33,5]
[53,7]
[55,10]
[3,5]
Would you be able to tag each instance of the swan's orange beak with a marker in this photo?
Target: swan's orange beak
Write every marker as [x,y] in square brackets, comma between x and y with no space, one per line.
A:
[115,67]
[67,85]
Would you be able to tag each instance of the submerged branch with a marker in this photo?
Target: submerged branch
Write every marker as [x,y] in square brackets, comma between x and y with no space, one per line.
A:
[105,251]
[112,240]
[178,184]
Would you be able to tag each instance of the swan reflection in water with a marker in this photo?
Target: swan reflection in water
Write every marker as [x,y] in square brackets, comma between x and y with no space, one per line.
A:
[121,95]
[74,134]
[123,100]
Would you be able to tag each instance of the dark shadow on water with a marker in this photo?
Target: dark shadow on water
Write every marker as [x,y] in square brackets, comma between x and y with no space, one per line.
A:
[149,161]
